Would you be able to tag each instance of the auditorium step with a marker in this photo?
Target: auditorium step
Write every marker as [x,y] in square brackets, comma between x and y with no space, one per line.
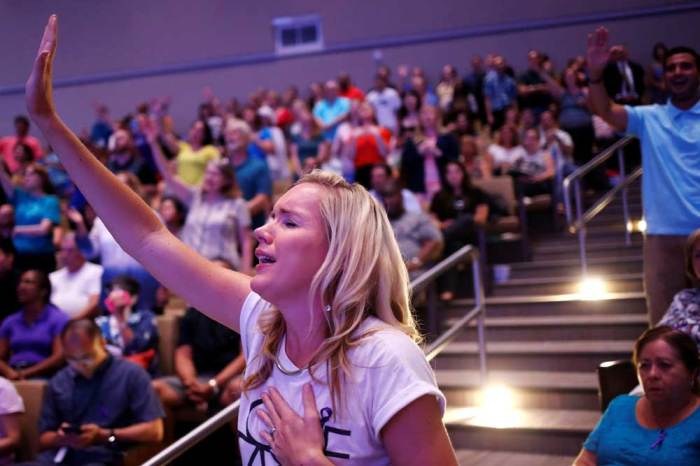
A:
[544,343]
[506,458]
[541,431]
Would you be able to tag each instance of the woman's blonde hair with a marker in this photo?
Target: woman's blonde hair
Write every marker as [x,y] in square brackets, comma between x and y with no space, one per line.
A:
[362,275]
[689,247]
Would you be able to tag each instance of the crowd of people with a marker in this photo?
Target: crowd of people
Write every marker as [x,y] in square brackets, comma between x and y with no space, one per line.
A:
[70,293]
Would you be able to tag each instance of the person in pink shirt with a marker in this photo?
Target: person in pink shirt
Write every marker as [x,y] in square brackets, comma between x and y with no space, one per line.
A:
[21,136]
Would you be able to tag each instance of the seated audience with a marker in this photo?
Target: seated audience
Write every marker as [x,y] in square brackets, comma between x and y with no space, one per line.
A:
[75,287]
[11,411]
[99,243]
[505,150]
[129,332]
[306,144]
[381,173]
[37,212]
[386,103]
[330,111]
[534,169]
[218,221]
[424,156]
[98,406]
[477,166]
[663,425]
[173,213]
[9,278]
[21,136]
[367,144]
[194,154]
[459,209]
[29,339]
[684,312]
[419,239]
[252,174]
[208,363]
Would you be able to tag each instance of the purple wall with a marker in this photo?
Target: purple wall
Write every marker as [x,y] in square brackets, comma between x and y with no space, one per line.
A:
[113,36]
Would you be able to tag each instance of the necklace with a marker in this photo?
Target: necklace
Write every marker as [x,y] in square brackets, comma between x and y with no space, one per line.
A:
[658,443]
[286,371]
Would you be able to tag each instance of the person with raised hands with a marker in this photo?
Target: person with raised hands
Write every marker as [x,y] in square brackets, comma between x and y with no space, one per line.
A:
[322,322]
[670,140]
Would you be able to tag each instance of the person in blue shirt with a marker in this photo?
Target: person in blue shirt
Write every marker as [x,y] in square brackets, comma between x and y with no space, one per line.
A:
[98,406]
[670,140]
[663,426]
[330,111]
[37,212]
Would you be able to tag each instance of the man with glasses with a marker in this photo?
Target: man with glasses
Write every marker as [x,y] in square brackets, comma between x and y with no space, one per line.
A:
[97,406]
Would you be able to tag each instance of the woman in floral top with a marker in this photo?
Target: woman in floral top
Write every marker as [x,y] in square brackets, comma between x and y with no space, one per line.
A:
[684,312]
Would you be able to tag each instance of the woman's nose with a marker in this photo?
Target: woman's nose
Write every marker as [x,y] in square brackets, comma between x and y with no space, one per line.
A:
[262,234]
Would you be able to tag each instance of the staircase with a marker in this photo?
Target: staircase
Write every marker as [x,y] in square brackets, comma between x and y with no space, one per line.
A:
[545,343]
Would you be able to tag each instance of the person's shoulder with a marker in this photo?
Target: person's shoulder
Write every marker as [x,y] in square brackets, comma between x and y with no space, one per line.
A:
[622,403]
[121,367]
[93,269]
[58,275]
[12,320]
[56,313]
[380,344]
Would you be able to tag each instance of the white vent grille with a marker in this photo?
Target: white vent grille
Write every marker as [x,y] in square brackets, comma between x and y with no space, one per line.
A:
[297,34]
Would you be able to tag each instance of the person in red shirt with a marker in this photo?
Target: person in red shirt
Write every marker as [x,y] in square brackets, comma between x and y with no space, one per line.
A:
[370,144]
[348,90]
[21,136]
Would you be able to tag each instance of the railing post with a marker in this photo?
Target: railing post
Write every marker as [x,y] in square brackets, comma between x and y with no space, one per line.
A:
[481,320]
[432,301]
[625,207]
[581,227]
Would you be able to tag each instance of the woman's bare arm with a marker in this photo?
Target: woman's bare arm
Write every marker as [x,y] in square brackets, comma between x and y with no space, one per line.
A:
[215,291]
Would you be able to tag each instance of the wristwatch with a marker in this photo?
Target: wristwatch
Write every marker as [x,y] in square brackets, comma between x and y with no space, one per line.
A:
[214,386]
[112,437]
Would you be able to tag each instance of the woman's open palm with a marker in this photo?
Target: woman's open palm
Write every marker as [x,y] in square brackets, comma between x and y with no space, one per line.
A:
[38,90]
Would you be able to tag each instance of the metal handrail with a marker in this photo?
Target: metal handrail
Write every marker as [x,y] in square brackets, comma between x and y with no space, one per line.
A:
[583,218]
[227,414]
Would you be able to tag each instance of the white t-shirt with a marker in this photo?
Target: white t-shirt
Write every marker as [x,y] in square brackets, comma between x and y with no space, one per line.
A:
[389,372]
[385,103]
[502,155]
[10,403]
[70,292]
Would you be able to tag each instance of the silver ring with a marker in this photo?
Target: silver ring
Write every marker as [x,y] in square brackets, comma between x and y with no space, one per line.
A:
[272,431]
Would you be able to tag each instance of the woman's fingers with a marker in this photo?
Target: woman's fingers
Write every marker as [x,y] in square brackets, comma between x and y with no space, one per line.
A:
[264,417]
[271,410]
[310,410]
[38,88]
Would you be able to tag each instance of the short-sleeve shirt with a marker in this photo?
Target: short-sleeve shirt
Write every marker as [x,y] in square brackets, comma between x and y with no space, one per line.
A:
[328,112]
[213,228]
[618,439]
[31,210]
[253,178]
[213,345]
[670,140]
[144,328]
[7,147]
[32,343]
[10,403]
[412,230]
[119,394]
[684,313]
[501,89]
[71,291]
[388,372]
[192,163]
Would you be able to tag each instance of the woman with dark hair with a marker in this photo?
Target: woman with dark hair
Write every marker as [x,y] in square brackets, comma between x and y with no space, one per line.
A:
[29,339]
[218,221]
[37,213]
[655,74]
[409,113]
[307,147]
[459,208]
[505,150]
[663,425]
[194,154]
[173,212]
[426,154]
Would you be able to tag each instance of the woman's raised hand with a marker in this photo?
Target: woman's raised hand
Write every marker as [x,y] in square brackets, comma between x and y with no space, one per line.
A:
[38,90]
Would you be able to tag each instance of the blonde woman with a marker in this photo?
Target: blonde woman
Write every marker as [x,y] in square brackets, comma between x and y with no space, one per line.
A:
[333,374]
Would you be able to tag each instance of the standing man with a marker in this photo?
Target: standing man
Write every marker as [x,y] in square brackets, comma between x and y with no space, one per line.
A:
[500,93]
[670,140]
[331,111]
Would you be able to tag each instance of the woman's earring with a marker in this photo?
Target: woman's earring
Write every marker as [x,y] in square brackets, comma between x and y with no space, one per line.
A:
[327,308]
